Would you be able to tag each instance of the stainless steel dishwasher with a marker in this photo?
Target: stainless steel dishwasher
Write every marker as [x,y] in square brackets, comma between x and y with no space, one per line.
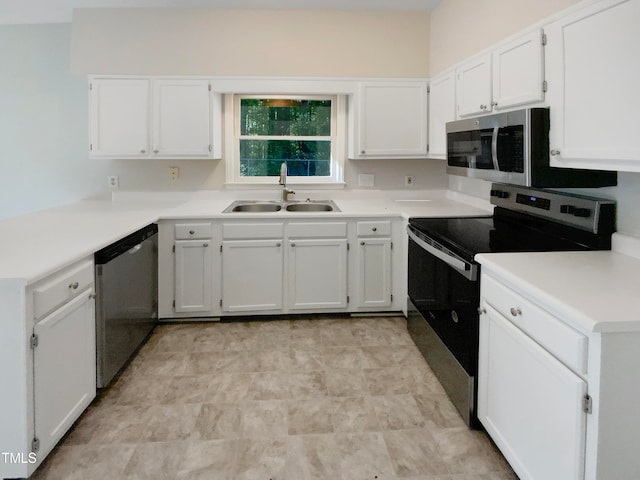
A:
[126,299]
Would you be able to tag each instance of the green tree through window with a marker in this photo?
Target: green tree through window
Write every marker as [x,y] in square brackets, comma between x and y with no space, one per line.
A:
[294,131]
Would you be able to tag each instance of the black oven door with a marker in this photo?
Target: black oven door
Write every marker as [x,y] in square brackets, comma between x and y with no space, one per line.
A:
[443,320]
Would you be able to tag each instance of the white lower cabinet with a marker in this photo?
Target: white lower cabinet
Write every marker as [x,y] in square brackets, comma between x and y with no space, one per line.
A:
[64,369]
[252,275]
[194,276]
[317,271]
[374,272]
[530,403]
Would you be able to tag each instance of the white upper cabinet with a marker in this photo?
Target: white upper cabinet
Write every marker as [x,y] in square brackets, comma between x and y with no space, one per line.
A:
[120,117]
[518,71]
[473,86]
[442,109]
[390,120]
[594,73]
[154,118]
[182,118]
[511,75]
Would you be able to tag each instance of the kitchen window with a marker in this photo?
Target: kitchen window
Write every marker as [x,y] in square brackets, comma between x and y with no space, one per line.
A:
[301,131]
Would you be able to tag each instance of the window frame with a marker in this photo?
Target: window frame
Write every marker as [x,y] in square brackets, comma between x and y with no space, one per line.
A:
[337,138]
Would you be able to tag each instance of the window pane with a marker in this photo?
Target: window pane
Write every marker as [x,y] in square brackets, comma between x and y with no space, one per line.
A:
[306,158]
[262,116]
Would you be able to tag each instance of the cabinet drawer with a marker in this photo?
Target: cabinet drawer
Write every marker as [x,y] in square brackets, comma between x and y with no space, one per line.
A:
[61,287]
[565,343]
[252,230]
[375,228]
[317,230]
[192,231]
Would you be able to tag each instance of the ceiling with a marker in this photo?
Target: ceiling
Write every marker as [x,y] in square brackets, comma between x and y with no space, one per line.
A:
[57,11]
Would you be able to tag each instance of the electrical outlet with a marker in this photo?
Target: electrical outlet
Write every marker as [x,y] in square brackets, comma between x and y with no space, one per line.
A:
[113,181]
[408,181]
[174,173]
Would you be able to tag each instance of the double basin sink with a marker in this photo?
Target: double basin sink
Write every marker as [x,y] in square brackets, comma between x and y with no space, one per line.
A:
[257,206]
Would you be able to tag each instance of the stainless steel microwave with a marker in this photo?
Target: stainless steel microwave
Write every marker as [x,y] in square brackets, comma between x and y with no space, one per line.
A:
[513,147]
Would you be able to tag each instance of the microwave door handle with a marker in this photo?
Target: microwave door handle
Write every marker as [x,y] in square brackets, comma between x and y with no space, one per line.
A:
[465,269]
[494,149]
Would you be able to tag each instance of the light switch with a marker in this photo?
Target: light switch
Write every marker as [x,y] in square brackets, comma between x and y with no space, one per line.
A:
[366,179]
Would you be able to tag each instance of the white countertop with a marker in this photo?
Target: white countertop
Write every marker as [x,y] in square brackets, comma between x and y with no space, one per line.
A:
[591,291]
[37,244]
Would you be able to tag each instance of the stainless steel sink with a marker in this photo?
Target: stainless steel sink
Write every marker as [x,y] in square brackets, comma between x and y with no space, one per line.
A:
[309,207]
[257,206]
[251,206]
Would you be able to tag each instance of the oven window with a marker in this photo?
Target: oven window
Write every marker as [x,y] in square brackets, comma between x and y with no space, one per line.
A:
[471,149]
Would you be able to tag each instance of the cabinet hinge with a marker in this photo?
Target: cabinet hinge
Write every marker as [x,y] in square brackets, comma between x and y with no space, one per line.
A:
[209,87]
[34,341]
[220,302]
[544,85]
[391,244]
[427,147]
[91,86]
[587,404]
[348,247]
[91,147]
[544,39]
[392,297]
[35,444]
[173,249]
[221,252]
[174,304]
[210,148]
[428,89]
[347,298]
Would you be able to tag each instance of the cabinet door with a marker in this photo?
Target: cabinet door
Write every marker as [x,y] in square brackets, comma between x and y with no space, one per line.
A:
[193,276]
[518,71]
[530,403]
[392,120]
[442,109]
[64,369]
[182,118]
[374,272]
[473,86]
[317,274]
[120,118]
[253,275]
[593,74]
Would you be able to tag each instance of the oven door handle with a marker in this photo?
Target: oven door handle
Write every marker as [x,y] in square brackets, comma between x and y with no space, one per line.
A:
[494,149]
[468,270]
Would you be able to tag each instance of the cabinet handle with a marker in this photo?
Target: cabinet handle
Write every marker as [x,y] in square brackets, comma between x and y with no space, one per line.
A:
[482,311]
[555,152]
[361,243]
[293,244]
[205,244]
[515,311]
[494,104]
[191,232]
[156,151]
[362,152]
[74,285]
[278,244]
[483,107]
[374,229]
[143,151]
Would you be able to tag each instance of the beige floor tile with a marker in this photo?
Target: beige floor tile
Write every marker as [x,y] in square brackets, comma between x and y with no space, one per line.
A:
[85,462]
[171,423]
[261,458]
[354,414]
[363,455]
[267,418]
[385,381]
[397,412]
[209,460]
[346,383]
[310,416]
[219,421]
[155,461]
[414,452]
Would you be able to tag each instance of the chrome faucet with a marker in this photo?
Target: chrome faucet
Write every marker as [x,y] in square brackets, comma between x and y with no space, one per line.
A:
[283,181]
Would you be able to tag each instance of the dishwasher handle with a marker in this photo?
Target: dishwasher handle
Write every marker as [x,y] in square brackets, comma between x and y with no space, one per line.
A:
[467,269]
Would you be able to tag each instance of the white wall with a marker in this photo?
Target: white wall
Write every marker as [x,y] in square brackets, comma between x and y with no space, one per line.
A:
[192,41]
[43,122]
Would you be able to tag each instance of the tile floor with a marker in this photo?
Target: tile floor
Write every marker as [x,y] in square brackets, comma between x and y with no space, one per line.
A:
[322,398]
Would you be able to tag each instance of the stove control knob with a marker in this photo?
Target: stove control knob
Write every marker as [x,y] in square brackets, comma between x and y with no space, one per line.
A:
[499,193]
[567,208]
[582,212]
